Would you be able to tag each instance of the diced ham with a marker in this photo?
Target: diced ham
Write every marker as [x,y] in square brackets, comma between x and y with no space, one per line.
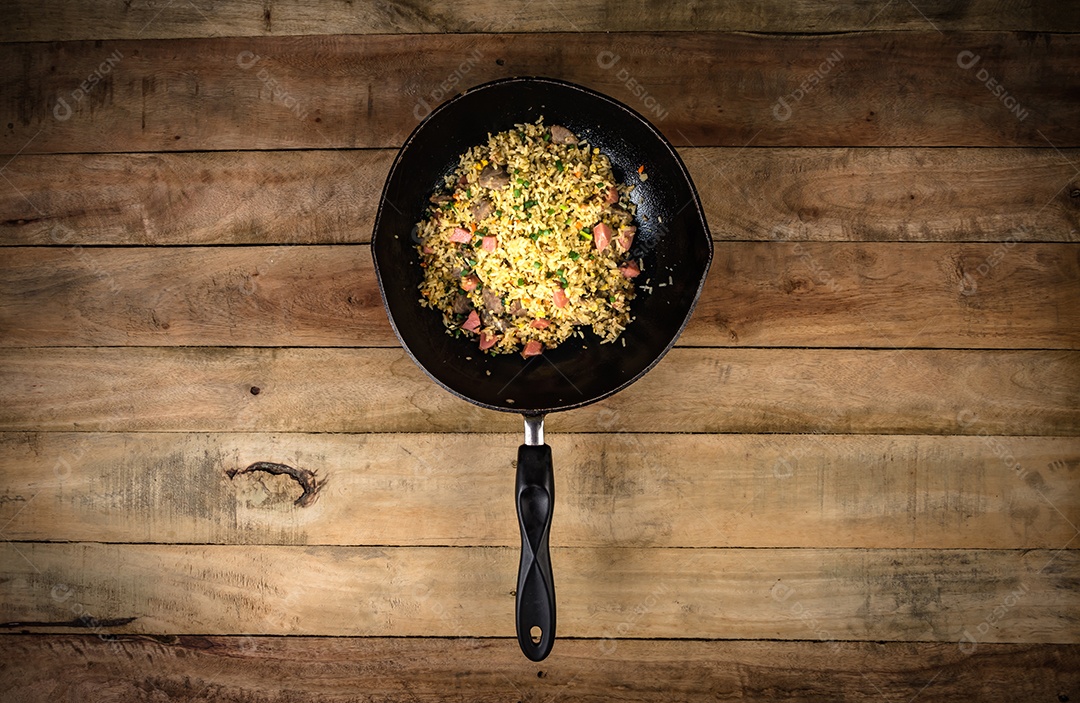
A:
[602,236]
[561,135]
[428,250]
[630,269]
[532,348]
[540,324]
[612,196]
[559,298]
[470,282]
[489,243]
[626,238]
[461,236]
[472,322]
[487,340]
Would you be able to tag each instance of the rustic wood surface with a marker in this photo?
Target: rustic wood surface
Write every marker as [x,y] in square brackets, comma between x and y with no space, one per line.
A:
[52,20]
[857,477]
[704,89]
[334,670]
[328,197]
[798,294]
[631,490]
[902,391]
[614,591]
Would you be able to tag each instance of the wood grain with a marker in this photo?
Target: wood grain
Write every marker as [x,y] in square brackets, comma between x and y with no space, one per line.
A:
[56,20]
[330,197]
[905,391]
[604,592]
[800,294]
[280,197]
[370,91]
[613,490]
[253,670]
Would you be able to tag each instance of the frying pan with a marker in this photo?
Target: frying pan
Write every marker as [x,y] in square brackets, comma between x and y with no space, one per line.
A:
[672,242]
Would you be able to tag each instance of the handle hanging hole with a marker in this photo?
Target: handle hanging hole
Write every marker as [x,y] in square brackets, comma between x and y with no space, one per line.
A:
[536,633]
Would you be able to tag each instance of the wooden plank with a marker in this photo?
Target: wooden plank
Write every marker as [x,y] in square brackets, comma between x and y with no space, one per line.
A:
[606,592]
[887,194]
[617,490]
[370,91]
[330,197]
[281,197]
[64,20]
[903,391]
[1004,295]
[249,670]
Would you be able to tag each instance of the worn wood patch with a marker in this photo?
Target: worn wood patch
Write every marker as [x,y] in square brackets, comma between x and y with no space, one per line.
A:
[254,670]
[702,89]
[617,490]
[604,592]
[330,197]
[1005,295]
[903,391]
[54,20]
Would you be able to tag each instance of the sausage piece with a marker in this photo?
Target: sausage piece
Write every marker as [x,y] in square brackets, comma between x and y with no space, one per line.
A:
[602,235]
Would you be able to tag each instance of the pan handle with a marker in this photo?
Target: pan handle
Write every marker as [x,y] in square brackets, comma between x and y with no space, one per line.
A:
[535,610]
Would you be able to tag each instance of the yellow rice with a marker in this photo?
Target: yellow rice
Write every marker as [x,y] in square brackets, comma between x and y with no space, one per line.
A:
[543,223]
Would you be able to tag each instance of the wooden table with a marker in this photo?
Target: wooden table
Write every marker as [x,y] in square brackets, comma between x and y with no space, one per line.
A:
[857,477]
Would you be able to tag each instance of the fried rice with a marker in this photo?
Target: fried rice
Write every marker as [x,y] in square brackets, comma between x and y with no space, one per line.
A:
[529,243]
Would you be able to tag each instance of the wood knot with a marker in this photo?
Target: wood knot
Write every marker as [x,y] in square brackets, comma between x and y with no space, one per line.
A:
[307,479]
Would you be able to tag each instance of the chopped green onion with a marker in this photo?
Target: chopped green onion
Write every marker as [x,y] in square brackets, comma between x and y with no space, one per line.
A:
[530,203]
[517,192]
[551,211]
[468,192]
[521,281]
[574,256]
[537,264]
[558,165]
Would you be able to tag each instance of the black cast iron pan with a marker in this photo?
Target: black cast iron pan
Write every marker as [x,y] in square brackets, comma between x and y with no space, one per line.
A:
[672,242]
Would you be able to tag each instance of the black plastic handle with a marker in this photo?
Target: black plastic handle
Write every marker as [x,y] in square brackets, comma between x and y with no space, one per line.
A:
[536,587]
